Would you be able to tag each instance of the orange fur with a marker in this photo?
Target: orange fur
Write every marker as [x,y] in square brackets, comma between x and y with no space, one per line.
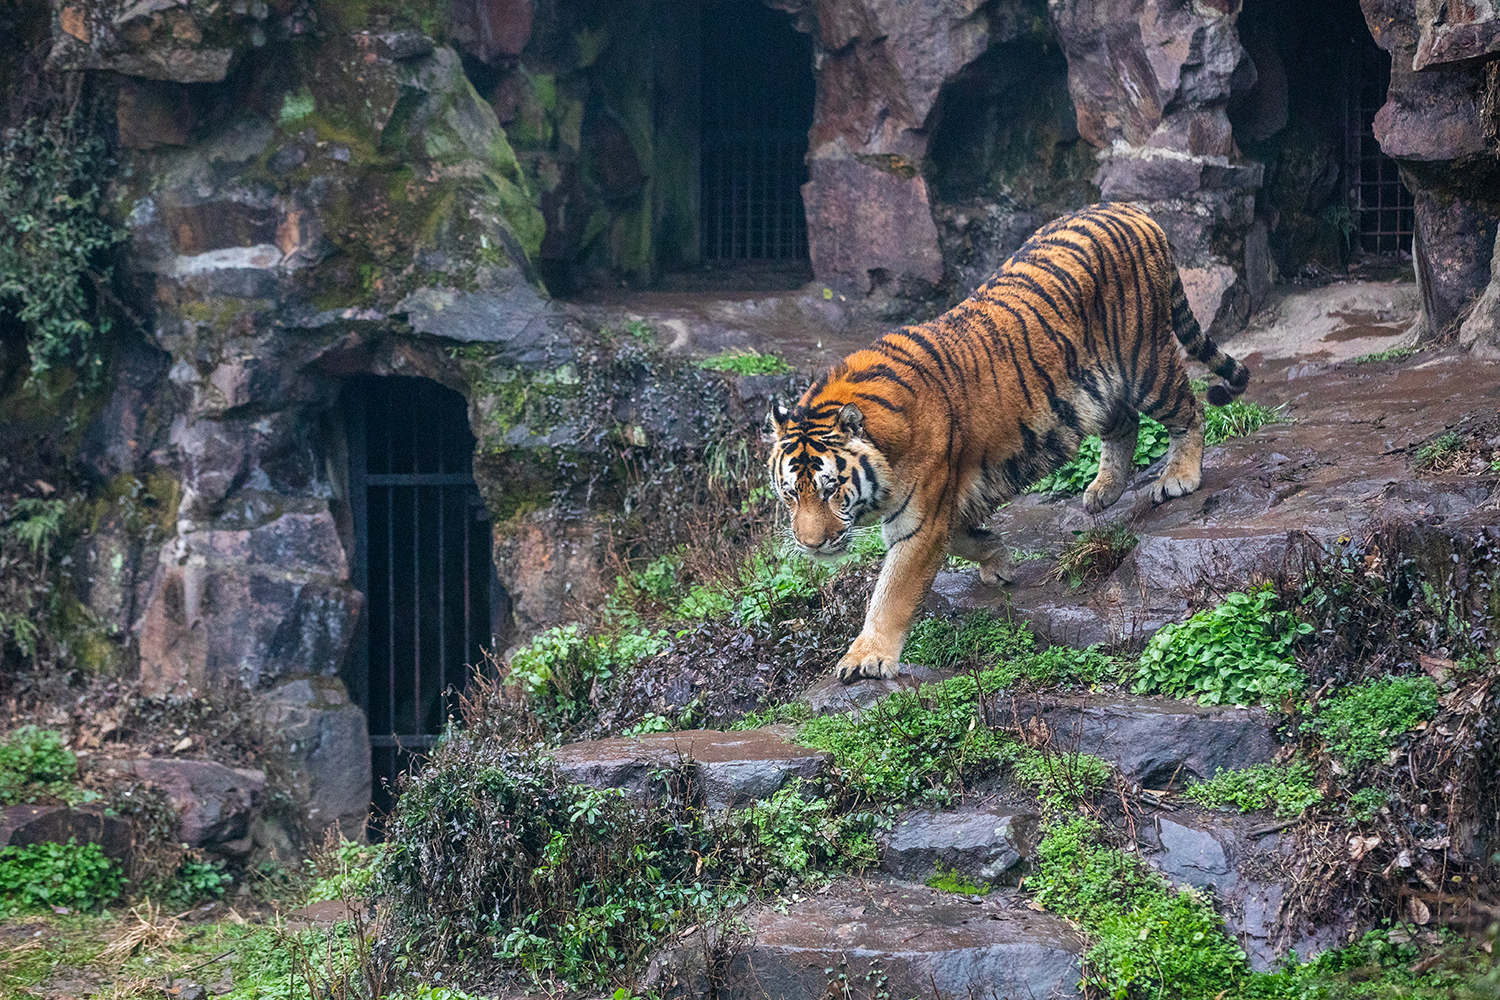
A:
[933,426]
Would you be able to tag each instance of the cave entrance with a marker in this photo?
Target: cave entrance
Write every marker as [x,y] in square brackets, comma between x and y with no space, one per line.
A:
[1304,104]
[421,558]
[1382,208]
[756,108]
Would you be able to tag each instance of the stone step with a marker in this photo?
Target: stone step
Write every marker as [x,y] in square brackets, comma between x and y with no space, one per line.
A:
[1158,742]
[981,843]
[884,938]
[729,770]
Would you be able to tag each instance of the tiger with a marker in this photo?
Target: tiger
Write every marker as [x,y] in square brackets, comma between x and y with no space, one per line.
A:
[934,425]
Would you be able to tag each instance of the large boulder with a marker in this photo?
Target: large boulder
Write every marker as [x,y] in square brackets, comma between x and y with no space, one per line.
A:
[896,939]
[248,605]
[327,745]
[1156,742]
[24,825]
[1432,124]
[984,843]
[215,804]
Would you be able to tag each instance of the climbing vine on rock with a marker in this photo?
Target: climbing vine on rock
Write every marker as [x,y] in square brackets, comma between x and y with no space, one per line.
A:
[55,241]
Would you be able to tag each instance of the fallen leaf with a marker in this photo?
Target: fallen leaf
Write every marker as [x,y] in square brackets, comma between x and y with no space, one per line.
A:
[183,744]
[73,23]
[1360,846]
[1420,914]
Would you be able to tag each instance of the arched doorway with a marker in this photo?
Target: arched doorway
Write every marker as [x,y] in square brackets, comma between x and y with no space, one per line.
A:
[422,558]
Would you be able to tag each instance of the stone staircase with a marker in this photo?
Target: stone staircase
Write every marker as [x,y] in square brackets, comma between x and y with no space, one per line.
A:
[887,931]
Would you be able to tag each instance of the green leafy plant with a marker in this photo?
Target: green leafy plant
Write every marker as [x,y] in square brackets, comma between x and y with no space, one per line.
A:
[746,362]
[1362,723]
[1365,803]
[912,744]
[1239,653]
[35,763]
[802,834]
[1440,454]
[1288,790]
[197,880]
[72,875]
[1145,940]
[1390,354]
[978,639]
[1060,779]
[1094,553]
[1220,423]
[55,241]
[562,669]
[952,881]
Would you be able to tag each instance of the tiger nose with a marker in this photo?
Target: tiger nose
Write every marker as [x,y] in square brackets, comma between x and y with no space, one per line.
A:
[807,530]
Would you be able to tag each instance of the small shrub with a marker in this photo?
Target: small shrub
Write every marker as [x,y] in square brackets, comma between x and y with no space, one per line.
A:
[1173,945]
[1389,354]
[746,362]
[1151,443]
[1239,653]
[1094,553]
[800,834]
[952,881]
[1064,665]
[1238,419]
[1365,804]
[197,880]
[911,745]
[1441,454]
[1081,879]
[1288,789]
[1220,423]
[1146,940]
[1060,780]
[979,639]
[41,876]
[1362,723]
[35,763]
[562,670]
[343,869]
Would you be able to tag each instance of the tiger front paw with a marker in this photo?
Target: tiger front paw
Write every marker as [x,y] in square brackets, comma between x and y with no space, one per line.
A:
[868,657]
[1173,484]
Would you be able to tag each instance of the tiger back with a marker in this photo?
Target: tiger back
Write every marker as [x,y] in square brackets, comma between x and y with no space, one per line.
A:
[932,426]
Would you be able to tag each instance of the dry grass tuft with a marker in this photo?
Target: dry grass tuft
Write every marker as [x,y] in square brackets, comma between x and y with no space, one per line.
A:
[1093,554]
[151,931]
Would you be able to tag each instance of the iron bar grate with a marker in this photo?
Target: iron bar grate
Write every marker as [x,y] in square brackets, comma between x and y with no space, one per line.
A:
[422,560]
[1380,204]
[757,105]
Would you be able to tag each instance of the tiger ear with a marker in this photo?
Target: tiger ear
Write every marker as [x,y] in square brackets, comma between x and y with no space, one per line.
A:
[851,420]
[776,421]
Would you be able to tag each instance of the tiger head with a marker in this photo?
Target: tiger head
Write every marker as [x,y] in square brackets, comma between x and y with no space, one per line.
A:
[827,471]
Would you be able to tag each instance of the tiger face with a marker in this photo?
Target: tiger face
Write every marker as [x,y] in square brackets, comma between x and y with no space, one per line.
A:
[828,473]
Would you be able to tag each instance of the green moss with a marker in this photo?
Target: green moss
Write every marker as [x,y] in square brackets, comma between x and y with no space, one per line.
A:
[746,362]
[296,106]
[952,881]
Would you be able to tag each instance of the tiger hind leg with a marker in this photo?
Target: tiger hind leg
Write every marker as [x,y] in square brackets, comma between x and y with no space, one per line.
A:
[1181,411]
[1116,463]
[983,546]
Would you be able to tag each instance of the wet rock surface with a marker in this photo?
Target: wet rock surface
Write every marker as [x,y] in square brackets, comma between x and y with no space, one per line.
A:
[830,696]
[728,770]
[922,941]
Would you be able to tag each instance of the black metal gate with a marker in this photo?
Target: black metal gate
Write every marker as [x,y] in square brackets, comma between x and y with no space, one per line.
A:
[422,559]
[757,106]
[1383,211]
